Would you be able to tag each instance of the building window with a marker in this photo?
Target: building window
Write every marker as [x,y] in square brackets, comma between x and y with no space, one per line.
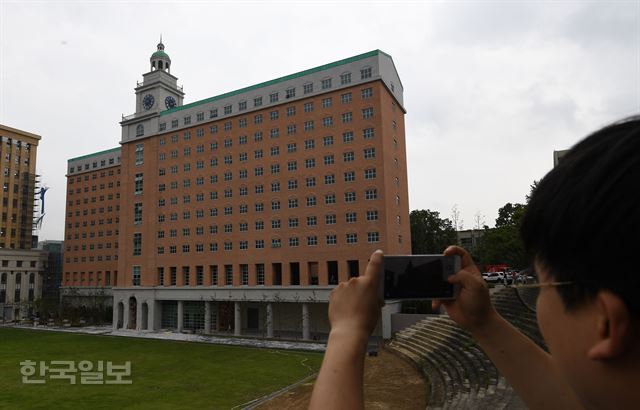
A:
[311,201]
[331,240]
[213,272]
[350,197]
[307,88]
[345,98]
[136,276]
[369,153]
[242,105]
[325,84]
[187,120]
[349,176]
[273,97]
[291,147]
[350,217]
[139,130]
[345,78]
[228,275]
[290,93]
[312,221]
[294,242]
[330,219]
[327,141]
[259,244]
[329,179]
[257,119]
[273,115]
[227,109]
[138,182]
[137,244]
[276,243]
[372,215]
[139,154]
[329,159]
[368,133]
[348,156]
[308,107]
[370,173]
[367,93]
[329,199]
[137,213]
[327,102]
[310,182]
[200,116]
[352,238]
[371,194]
[259,273]
[308,125]
[367,113]
[312,240]
[347,117]
[309,144]
[373,237]
[327,122]
[365,73]
[257,101]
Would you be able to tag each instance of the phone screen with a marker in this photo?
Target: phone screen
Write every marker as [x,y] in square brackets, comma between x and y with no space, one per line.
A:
[418,277]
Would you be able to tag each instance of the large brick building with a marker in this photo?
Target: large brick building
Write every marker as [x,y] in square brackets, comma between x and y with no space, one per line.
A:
[21,267]
[243,210]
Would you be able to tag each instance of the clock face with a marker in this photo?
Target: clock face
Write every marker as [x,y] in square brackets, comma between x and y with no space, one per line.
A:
[170,102]
[147,101]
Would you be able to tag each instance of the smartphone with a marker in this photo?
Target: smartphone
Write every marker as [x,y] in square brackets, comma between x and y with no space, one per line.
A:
[419,276]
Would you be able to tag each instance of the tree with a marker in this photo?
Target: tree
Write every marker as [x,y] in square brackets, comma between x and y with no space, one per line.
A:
[430,234]
[503,244]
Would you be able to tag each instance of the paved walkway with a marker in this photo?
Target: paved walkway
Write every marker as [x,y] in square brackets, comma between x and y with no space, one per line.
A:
[165,335]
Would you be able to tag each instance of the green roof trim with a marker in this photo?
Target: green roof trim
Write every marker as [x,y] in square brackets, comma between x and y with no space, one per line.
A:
[278,80]
[94,154]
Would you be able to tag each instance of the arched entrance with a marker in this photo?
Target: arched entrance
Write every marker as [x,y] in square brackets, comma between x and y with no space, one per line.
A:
[120,317]
[145,317]
[133,309]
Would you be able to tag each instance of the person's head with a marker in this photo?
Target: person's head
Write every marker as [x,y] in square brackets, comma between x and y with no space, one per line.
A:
[582,226]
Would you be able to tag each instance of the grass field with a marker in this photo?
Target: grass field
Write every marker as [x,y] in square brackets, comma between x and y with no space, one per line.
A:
[165,374]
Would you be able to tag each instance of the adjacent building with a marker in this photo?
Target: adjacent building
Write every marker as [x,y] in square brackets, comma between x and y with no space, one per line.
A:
[20,266]
[242,211]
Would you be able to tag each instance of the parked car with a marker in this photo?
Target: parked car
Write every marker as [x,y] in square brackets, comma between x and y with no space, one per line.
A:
[493,277]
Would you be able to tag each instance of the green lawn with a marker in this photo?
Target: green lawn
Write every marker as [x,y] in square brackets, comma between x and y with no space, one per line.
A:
[165,374]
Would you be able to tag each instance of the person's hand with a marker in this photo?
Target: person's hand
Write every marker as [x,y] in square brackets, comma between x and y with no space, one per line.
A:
[354,306]
[472,307]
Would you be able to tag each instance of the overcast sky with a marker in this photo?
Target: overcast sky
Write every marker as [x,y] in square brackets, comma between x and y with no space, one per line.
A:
[491,88]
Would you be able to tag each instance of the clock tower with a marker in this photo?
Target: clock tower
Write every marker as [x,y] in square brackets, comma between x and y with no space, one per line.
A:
[159,91]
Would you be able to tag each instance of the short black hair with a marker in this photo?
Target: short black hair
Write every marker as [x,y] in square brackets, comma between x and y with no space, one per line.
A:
[582,223]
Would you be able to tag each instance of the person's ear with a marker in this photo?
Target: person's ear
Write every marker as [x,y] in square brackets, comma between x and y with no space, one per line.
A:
[614,327]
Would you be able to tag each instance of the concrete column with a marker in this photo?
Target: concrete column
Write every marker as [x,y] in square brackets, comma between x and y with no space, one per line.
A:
[139,315]
[237,328]
[125,314]
[115,313]
[306,334]
[207,317]
[156,315]
[180,315]
[269,320]
[217,305]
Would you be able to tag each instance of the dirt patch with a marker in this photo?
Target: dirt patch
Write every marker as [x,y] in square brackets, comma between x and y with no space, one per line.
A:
[389,383]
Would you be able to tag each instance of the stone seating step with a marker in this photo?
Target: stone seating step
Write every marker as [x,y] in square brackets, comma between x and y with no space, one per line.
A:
[470,373]
[453,379]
